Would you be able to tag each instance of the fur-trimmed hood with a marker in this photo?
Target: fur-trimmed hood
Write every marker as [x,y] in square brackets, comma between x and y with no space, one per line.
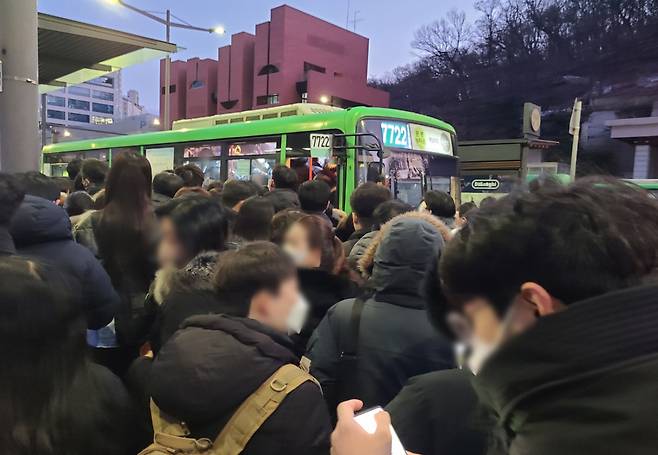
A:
[197,275]
[398,257]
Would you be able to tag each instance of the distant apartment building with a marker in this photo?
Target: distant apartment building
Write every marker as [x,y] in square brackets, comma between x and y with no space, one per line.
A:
[130,106]
[97,102]
[293,58]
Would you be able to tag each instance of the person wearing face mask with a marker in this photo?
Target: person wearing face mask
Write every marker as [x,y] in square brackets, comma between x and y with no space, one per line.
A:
[193,232]
[558,285]
[323,275]
[215,362]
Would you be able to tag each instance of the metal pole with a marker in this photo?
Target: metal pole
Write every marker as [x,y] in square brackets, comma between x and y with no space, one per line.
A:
[167,101]
[20,148]
[575,130]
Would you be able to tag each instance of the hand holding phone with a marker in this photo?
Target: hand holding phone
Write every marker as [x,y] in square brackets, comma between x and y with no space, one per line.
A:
[368,433]
[367,420]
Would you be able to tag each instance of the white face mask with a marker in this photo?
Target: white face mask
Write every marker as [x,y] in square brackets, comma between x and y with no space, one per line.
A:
[299,257]
[297,316]
[480,353]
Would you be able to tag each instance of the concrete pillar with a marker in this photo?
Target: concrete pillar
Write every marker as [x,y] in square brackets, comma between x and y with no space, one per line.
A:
[20,145]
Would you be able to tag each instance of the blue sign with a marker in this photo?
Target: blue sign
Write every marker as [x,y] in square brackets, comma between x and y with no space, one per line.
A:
[396,134]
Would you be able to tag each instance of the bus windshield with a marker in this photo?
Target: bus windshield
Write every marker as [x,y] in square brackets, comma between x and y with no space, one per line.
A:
[417,158]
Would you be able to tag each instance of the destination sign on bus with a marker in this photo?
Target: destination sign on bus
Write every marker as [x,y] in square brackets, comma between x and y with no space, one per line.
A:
[396,134]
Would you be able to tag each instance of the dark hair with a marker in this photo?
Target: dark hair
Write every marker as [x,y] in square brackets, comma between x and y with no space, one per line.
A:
[579,241]
[440,204]
[216,185]
[124,232]
[167,184]
[388,210]
[284,177]
[73,168]
[487,201]
[191,174]
[321,237]
[11,196]
[96,171]
[37,184]
[188,191]
[466,207]
[314,196]
[50,403]
[365,199]
[78,203]
[254,220]
[236,191]
[64,185]
[201,223]
[282,221]
[256,267]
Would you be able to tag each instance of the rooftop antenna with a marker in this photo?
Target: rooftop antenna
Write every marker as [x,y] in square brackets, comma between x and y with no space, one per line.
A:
[347,18]
[356,19]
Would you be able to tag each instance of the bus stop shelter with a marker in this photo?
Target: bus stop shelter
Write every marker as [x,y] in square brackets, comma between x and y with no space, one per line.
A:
[42,53]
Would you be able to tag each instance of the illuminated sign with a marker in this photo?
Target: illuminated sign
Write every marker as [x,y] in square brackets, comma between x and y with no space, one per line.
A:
[396,134]
[431,140]
[485,184]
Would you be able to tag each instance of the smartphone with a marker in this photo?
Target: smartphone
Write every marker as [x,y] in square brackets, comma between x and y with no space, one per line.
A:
[367,421]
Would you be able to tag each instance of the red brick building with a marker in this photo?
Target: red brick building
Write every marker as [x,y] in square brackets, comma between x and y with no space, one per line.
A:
[295,57]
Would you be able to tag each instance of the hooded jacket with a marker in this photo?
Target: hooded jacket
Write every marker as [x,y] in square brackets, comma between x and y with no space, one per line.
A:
[582,381]
[207,369]
[396,340]
[42,230]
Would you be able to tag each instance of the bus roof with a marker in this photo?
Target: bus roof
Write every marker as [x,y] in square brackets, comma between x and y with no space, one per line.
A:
[340,119]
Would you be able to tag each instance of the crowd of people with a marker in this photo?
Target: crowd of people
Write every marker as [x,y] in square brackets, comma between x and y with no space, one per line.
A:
[168,314]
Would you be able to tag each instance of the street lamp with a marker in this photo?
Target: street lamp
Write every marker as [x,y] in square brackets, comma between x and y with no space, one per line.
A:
[167,22]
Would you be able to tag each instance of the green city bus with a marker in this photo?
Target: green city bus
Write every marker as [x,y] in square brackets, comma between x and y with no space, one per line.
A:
[414,152]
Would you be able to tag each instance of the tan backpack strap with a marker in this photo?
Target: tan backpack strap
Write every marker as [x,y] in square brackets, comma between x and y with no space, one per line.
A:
[256,409]
[162,423]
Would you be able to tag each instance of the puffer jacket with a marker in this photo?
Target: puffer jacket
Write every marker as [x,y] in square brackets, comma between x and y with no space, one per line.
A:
[396,340]
[214,363]
[360,248]
[42,230]
[181,293]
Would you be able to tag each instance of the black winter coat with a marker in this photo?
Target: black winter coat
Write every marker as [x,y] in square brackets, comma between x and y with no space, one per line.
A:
[438,413]
[282,199]
[396,340]
[582,381]
[42,230]
[322,291]
[208,368]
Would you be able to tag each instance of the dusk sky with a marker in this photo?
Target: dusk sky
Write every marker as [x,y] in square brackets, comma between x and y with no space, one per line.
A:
[389,24]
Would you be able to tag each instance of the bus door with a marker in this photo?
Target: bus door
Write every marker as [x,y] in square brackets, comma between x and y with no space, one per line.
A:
[329,168]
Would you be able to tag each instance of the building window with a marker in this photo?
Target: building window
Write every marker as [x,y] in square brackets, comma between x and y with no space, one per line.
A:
[172,89]
[56,101]
[268,69]
[102,108]
[80,91]
[305,97]
[197,84]
[101,120]
[78,104]
[78,117]
[267,99]
[107,96]
[311,67]
[60,115]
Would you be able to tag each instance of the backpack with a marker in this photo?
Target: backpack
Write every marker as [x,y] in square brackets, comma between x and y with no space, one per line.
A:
[172,436]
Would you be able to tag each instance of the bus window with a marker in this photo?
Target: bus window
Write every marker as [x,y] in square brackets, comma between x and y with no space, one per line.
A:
[116,152]
[206,156]
[258,170]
